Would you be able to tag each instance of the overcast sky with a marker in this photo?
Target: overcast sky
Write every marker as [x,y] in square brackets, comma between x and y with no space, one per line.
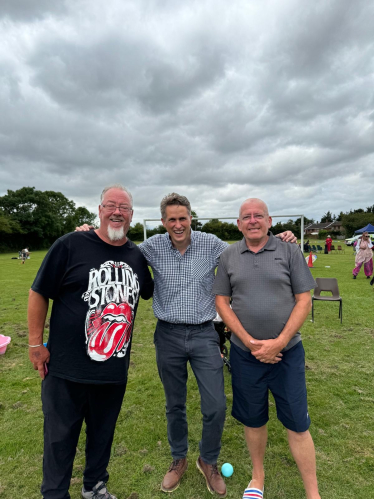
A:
[215,100]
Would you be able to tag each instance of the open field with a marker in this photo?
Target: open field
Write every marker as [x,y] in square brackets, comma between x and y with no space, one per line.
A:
[339,359]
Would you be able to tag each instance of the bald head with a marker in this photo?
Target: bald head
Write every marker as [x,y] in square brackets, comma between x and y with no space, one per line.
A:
[254,202]
[254,222]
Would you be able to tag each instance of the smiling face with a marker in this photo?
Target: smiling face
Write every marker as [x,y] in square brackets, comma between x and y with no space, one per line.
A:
[254,222]
[114,223]
[177,222]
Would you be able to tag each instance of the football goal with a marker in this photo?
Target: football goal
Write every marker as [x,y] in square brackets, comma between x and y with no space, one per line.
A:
[232,218]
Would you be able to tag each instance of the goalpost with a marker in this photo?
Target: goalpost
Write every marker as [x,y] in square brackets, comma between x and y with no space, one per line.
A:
[233,218]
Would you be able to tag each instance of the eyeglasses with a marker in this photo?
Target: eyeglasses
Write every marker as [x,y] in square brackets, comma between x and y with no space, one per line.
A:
[123,208]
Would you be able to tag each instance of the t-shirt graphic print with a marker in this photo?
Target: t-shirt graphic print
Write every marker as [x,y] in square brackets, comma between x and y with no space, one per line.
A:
[112,295]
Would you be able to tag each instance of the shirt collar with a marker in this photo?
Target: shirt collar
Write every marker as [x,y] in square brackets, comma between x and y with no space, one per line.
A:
[271,245]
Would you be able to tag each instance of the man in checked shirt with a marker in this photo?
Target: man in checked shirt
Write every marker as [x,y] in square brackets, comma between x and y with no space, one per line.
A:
[183,263]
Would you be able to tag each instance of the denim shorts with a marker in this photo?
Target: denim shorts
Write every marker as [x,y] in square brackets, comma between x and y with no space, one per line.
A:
[252,380]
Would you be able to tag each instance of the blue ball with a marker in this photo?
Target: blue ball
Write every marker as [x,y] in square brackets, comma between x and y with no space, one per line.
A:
[227,469]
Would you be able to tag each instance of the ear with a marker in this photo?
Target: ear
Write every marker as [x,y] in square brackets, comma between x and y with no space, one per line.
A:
[270,222]
[163,222]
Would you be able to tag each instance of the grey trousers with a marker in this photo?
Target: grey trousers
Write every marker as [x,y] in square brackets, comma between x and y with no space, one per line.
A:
[176,344]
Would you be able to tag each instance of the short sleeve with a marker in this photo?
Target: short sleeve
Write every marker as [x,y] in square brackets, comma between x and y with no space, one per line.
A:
[220,247]
[146,250]
[50,276]
[222,285]
[301,278]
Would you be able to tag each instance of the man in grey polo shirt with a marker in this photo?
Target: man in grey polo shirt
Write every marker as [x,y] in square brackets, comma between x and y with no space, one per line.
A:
[269,284]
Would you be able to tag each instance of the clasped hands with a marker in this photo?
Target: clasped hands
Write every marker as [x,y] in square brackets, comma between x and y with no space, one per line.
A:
[267,351]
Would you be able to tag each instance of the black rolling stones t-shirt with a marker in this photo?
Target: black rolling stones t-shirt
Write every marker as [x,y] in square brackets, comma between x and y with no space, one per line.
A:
[95,288]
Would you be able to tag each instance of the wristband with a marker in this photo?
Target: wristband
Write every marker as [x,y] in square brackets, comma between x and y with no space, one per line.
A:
[34,346]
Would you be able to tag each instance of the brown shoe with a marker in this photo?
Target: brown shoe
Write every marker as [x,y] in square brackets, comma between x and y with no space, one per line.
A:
[213,478]
[173,476]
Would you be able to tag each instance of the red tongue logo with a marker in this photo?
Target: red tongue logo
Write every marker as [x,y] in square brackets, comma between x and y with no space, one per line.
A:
[109,332]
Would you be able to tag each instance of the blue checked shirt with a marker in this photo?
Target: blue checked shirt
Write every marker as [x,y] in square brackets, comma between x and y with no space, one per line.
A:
[183,283]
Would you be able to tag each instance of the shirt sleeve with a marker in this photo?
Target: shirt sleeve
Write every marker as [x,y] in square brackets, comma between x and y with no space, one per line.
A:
[222,285]
[301,278]
[147,289]
[146,249]
[50,276]
[220,247]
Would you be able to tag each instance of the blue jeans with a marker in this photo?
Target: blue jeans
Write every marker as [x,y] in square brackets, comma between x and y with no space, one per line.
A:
[176,344]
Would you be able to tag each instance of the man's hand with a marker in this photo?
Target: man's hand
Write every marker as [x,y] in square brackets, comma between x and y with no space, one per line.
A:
[287,237]
[39,357]
[267,351]
[85,228]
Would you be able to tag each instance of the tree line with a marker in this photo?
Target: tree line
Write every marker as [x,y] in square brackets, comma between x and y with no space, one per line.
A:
[351,221]
[35,219]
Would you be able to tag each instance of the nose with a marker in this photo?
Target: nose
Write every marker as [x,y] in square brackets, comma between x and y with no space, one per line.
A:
[117,210]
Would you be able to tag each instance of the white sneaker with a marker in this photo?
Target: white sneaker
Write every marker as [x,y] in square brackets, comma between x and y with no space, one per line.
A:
[98,492]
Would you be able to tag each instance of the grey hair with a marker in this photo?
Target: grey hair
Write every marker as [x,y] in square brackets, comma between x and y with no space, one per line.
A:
[116,186]
[266,209]
[174,199]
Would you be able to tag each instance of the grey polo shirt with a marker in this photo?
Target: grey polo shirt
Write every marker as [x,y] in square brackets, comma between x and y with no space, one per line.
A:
[263,286]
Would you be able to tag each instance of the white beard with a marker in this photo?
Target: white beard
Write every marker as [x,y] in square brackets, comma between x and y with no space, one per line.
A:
[116,234]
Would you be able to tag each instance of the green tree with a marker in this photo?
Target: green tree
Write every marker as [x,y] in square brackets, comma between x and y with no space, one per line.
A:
[41,216]
[327,217]
[161,229]
[224,230]
[213,226]
[8,225]
[356,220]
[196,225]
[293,226]
[136,233]
[83,216]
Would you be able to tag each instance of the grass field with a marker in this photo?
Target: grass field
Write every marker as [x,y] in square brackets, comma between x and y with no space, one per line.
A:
[339,360]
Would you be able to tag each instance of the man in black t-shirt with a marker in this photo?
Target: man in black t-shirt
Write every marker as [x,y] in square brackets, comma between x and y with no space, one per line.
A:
[95,280]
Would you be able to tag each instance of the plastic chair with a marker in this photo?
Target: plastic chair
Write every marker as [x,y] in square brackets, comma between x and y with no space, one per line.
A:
[314,248]
[340,250]
[333,248]
[327,284]
[319,248]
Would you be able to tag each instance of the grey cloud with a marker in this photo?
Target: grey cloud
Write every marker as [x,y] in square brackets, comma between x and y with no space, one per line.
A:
[269,99]
[25,10]
[116,72]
